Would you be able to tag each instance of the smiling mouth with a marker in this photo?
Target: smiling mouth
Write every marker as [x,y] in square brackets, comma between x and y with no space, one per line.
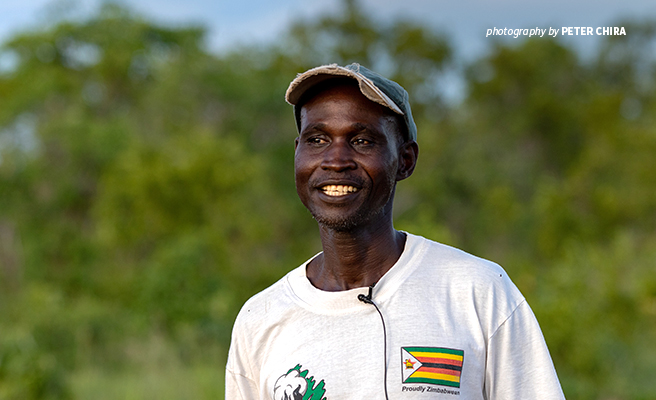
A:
[339,190]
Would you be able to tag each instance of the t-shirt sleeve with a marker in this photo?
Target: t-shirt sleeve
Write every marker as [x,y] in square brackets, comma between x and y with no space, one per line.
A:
[239,382]
[239,387]
[518,364]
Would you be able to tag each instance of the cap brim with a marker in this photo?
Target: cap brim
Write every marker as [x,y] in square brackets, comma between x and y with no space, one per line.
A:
[312,77]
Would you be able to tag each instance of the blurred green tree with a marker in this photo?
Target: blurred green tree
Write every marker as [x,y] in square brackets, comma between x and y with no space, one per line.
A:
[146,190]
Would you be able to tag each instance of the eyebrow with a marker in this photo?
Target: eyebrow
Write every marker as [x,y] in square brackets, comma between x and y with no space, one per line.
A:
[359,126]
[321,126]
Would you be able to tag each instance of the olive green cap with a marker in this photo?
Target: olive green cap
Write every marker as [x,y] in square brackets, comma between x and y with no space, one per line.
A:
[375,87]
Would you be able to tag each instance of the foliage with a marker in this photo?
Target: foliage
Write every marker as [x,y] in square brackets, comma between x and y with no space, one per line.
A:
[146,191]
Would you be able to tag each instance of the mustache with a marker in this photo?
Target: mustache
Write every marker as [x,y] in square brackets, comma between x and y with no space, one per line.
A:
[332,180]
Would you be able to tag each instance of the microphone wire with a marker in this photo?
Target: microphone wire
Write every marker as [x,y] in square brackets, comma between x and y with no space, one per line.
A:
[368,300]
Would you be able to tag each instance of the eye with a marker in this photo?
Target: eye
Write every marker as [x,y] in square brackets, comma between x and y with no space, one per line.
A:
[315,140]
[362,141]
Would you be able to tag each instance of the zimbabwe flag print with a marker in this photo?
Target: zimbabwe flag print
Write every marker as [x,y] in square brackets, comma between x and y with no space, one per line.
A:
[434,365]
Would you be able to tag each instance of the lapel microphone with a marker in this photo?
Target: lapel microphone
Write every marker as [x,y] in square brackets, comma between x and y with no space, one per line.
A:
[367,298]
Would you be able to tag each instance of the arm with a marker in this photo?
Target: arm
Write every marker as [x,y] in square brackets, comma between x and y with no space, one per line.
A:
[518,362]
[239,387]
[240,383]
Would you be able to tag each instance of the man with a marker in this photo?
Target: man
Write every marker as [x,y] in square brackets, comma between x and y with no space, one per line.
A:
[379,314]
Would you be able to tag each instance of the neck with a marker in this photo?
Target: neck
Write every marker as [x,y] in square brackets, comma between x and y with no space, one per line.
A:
[357,258]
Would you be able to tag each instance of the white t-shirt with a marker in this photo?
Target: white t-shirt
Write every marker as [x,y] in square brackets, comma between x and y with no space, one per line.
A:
[455,327]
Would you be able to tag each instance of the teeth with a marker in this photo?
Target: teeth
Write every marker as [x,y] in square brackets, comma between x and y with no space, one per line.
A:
[338,190]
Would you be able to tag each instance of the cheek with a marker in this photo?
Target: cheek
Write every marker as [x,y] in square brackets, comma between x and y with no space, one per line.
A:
[299,166]
[302,173]
[300,182]
[390,167]
[298,178]
[305,162]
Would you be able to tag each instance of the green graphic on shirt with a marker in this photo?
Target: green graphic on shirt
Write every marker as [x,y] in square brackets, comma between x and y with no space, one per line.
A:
[313,392]
[295,385]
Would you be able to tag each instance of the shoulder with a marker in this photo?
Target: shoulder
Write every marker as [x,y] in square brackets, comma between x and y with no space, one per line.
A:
[269,306]
[265,304]
[443,257]
[462,272]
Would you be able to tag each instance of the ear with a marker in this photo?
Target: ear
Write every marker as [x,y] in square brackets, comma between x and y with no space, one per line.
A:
[408,153]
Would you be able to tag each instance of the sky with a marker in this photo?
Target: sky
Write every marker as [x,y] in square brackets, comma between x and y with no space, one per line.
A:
[466,22]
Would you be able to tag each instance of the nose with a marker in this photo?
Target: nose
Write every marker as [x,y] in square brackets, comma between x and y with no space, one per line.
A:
[338,156]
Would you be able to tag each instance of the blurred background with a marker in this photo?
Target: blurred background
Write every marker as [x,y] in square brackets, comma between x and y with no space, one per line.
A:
[146,177]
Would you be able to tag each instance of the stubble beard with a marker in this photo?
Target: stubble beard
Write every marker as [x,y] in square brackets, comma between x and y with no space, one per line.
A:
[348,223]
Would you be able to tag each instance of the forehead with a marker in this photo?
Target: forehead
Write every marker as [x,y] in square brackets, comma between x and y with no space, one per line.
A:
[343,100]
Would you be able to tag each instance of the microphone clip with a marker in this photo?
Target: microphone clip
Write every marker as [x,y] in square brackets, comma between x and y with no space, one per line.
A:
[367,299]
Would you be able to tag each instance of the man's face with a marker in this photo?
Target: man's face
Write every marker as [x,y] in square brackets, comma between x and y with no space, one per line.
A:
[347,159]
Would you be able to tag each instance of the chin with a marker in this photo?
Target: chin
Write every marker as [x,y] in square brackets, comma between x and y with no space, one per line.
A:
[348,223]
[338,225]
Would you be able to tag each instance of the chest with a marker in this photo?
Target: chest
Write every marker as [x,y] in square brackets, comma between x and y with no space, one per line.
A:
[415,351]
